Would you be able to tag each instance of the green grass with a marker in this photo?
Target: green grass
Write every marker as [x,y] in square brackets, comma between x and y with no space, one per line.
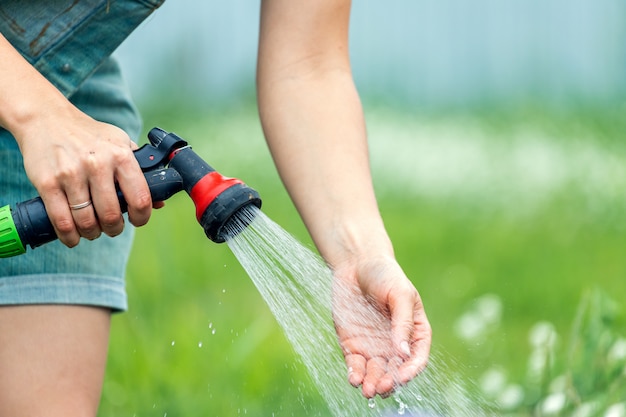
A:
[165,358]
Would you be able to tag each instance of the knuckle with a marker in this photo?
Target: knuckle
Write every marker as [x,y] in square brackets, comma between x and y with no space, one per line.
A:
[124,156]
[143,201]
[47,184]
[68,172]
[65,225]
[88,226]
[110,219]
[93,164]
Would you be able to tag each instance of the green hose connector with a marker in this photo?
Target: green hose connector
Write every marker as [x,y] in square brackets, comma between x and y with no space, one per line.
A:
[10,242]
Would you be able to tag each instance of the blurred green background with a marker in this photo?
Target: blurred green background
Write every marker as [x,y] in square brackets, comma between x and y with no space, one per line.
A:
[199,340]
[496,134]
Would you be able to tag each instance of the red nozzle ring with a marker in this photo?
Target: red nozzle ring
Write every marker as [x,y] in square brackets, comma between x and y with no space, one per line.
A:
[208,188]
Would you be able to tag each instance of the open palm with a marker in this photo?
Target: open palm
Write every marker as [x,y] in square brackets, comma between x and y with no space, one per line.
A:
[381,324]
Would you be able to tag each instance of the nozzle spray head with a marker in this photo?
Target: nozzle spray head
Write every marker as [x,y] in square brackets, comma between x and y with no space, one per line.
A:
[225,207]
[217,198]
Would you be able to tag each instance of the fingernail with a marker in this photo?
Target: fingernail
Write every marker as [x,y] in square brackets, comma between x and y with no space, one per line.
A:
[404,347]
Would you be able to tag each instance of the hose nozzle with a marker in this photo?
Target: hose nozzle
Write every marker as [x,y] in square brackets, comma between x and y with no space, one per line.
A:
[217,198]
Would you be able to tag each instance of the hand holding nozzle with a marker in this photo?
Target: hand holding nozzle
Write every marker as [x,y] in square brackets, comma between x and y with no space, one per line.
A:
[169,166]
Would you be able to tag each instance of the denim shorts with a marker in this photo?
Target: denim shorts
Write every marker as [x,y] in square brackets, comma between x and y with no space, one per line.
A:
[93,272]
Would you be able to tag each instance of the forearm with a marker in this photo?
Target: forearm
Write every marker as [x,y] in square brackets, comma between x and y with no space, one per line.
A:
[314,125]
[316,132]
[69,157]
[25,94]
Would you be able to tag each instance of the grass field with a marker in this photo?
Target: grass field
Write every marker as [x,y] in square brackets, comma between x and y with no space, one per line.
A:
[501,220]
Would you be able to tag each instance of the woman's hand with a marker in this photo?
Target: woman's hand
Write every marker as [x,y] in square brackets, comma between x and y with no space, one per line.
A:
[381,323]
[72,159]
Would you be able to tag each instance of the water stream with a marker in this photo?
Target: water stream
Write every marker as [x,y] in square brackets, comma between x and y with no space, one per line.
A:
[296,285]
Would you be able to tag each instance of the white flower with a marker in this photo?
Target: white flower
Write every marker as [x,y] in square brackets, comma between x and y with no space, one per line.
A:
[618,351]
[492,382]
[543,334]
[489,306]
[485,314]
[559,384]
[537,363]
[616,410]
[511,397]
[585,410]
[554,403]
[470,326]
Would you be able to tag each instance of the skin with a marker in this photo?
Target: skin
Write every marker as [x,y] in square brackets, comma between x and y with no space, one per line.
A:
[313,121]
[52,356]
[56,368]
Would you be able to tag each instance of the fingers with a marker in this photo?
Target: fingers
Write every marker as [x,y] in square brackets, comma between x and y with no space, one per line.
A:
[61,217]
[412,336]
[85,218]
[420,350]
[376,369]
[71,212]
[380,376]
[396,349]
[356,369]
[389,381]
[136,192]
[81,197]
[402,307]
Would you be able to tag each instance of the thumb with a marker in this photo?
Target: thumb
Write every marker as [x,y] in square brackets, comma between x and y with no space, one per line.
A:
[401,307]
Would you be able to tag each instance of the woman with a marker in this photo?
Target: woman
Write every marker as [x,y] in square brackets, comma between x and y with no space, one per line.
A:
[67,114]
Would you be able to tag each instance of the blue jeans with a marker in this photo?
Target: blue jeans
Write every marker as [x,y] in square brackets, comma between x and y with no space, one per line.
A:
[93,272]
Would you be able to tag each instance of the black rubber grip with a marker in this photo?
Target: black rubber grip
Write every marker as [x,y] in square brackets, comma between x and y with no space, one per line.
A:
[35,229]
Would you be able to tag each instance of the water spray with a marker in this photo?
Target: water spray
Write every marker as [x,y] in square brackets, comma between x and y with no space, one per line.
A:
[169,165]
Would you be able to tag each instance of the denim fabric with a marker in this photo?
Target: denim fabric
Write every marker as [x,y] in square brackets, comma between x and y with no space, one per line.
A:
[69,42]
[91,273]
[67,39]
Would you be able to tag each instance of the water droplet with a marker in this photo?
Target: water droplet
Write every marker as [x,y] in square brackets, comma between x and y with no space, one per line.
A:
[419,398]
[213,331]
[401,405]
[371,403]
[210,325]
[173,342]
[224,291]
[199,344]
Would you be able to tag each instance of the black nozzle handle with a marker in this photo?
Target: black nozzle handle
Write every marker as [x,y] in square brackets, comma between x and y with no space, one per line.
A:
[35,229]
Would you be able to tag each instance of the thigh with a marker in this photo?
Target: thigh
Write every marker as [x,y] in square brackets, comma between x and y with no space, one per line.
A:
[52,359]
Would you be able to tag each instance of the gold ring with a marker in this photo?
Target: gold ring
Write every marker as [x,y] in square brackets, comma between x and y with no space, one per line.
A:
[81,205]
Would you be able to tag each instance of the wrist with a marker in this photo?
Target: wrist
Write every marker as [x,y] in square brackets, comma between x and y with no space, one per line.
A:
[27,96]
[353,240]
[31,114]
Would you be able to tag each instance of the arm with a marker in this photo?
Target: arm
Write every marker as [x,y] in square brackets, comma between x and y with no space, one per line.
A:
[69,157]
[313,122]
